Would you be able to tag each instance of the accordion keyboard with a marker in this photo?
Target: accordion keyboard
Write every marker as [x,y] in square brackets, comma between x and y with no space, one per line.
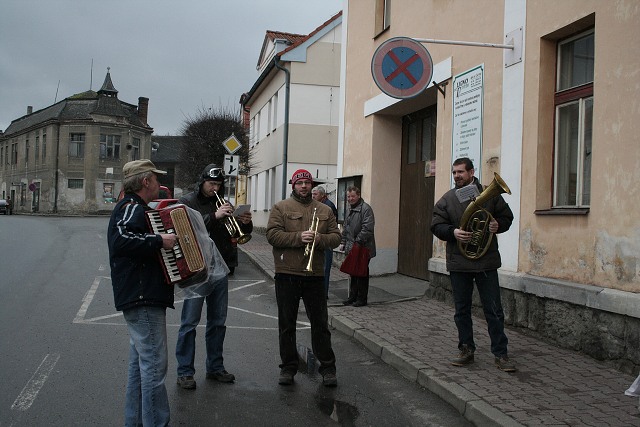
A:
[185,258]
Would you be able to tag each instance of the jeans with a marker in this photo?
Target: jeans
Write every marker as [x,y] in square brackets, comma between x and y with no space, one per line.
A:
[489,291]
[146,399]
[215,331]
[328,261]
[289,290]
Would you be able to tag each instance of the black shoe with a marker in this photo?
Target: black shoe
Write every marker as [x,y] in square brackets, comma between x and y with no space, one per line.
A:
[187,382]
[329,380]
[221,376]
[349,301]
[286,377]
[465,357]
[359,304]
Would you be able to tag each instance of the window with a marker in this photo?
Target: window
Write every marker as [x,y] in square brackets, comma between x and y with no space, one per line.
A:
[574,121]
[109,146]
[275,111]
[14,153]
[135,149]
[37,149]
[341,198]
[383,15]
[75,183]
[269,116]
[44,147]
[76,145]
[26,152]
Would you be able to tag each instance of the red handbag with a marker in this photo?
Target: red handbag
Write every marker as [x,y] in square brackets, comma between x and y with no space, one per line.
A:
[357,261]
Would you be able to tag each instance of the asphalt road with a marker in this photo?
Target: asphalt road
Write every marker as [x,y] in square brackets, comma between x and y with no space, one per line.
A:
[64,348]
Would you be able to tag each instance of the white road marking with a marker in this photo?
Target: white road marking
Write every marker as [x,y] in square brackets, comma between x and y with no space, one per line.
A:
[86,301]
[246,286]
[30,391]
[88,298]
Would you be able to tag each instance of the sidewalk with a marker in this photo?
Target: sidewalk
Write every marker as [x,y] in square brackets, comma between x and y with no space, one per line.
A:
[417,336]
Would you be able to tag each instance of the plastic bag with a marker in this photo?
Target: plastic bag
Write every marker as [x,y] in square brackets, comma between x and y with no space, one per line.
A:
[634,389]
[215,267]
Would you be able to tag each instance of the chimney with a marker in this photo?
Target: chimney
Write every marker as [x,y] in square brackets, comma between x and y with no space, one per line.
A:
[143,109]
[29,109]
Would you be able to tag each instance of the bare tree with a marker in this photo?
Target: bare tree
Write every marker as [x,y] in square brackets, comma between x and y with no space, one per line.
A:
[204,133]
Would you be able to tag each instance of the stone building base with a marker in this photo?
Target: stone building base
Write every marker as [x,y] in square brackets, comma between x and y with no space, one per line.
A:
[600,322]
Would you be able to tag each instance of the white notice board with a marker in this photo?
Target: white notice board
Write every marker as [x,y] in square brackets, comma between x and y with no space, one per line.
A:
[468,94]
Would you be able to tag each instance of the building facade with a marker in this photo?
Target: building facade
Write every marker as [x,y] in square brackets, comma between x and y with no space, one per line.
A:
[293,113]
[553,111]
[68,157]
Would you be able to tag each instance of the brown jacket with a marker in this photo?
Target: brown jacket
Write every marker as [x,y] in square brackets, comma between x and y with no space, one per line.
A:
[288,219]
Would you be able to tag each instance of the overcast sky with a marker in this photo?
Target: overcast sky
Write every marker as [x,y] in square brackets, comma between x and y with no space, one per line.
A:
[181,54]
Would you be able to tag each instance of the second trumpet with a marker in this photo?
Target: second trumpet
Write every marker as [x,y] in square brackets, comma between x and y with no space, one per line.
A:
[232,225]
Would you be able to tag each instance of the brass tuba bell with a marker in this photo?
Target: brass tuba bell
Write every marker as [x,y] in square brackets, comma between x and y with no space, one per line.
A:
[476,220]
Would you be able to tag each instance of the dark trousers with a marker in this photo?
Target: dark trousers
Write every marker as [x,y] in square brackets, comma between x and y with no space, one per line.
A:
[289,290]
[489,291]
[359,288]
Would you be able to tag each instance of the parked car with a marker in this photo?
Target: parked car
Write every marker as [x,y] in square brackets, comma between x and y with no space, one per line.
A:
[4,207]
[161,203]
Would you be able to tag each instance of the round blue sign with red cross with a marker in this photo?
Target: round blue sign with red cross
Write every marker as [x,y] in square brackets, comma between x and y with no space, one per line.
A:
[402,67]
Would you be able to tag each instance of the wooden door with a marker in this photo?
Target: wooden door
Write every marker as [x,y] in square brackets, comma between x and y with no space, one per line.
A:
[416,193]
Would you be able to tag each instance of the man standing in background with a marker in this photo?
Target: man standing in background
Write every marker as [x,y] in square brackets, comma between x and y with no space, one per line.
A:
[319,194]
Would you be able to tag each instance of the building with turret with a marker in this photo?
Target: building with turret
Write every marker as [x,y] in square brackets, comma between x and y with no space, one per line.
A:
[68,157]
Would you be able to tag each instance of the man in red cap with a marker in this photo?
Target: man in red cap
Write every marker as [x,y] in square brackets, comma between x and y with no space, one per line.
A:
[291,230]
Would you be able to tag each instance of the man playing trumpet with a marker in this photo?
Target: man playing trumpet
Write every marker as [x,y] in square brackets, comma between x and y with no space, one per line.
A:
[291,230]
[215,214]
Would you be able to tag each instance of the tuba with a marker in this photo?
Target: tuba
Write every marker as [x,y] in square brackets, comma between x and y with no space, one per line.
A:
[232,224]
[476,220]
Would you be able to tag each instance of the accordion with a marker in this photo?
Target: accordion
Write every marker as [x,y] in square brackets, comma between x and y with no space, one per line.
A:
[183,264]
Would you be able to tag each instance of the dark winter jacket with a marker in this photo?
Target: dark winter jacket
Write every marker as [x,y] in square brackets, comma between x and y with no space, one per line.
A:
[359,227]
[216,228]
[134,257]
[447,214]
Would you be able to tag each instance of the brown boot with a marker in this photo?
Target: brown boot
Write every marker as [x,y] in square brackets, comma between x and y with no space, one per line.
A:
[465,357]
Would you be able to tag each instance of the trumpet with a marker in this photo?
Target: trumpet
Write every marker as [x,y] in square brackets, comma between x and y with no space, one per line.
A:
[309,248]
[232,224]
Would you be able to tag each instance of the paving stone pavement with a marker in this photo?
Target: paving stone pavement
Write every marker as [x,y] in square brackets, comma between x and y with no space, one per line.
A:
[417,336]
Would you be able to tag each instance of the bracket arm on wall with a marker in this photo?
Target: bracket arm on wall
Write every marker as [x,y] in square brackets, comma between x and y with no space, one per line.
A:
[441,87]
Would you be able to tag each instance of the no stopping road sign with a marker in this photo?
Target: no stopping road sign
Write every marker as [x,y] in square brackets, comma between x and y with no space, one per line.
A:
[402,67]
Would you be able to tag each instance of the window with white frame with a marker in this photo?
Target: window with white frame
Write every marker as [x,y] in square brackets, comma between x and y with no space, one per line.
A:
[252,130]
[270,116]
[574,121]
[76,145]
[135,149]
[109,146]
[383,16]
[275,111]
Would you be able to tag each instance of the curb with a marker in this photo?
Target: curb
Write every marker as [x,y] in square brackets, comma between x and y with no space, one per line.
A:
[468,404]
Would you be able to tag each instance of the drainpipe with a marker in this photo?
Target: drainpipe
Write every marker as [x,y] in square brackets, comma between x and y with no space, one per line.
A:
[55,198]
[285,137]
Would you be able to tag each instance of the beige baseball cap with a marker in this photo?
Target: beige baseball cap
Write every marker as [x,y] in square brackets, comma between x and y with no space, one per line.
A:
[140,166]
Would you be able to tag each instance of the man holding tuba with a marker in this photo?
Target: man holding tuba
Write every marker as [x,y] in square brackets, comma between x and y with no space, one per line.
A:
[300,229]
[465,268]
[206,200]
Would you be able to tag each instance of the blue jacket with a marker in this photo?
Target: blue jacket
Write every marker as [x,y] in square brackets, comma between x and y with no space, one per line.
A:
[136,272]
